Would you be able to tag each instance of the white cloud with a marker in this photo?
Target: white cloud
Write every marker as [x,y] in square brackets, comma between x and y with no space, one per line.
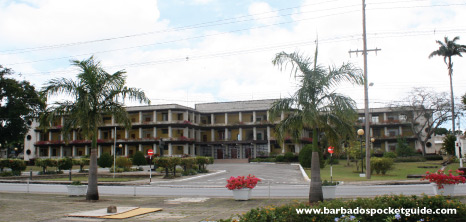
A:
[263,13]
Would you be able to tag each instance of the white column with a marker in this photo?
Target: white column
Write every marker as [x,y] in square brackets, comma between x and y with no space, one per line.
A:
[241,156]
[386,146]
[99,150]
[198,135]
[254,116]
[140,132]
[126,150]
[126,134]
[140,147]
[140,117]
[185,116]
[112,148]
[186,132]
[73,151]
[170,131]
[283,147]
[254,133]
[154,148]
[193,118]
[74,134]
[155,132]
[212,119]
[226,134]
[384,116]
[268,136]
[170,115]
[50,151]
[226,118]
[268,115]
[86,150]
[385,131]
[61,151]
[212,149]
[212,135]
[50,135]
[154,116]
[401,130]
[240,116]
[113,120]
[99,134]
[170,149]
[185,148]
[240,134]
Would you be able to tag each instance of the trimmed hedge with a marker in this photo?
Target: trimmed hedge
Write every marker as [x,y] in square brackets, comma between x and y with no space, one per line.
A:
[433,157]
[288,212]
[410,159]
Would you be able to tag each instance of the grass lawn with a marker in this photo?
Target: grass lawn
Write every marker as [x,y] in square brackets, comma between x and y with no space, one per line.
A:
[343,173]
[101,179]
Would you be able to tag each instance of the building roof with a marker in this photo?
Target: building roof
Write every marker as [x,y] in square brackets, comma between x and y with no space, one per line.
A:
[157,107]
[237,106]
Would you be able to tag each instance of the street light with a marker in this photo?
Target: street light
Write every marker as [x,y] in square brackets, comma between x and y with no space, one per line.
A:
[360,134]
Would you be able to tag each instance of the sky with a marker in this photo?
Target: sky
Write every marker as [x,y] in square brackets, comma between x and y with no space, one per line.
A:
[200,51]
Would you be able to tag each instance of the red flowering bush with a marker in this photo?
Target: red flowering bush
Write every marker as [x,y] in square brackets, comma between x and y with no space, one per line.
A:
[440,178]
[240,182]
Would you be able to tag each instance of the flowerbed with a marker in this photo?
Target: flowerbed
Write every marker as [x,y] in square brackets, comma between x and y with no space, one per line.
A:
[440,178]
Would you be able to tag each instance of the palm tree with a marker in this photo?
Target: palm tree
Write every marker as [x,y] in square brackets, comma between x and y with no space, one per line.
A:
[95,94]
[316,106]
[447,49]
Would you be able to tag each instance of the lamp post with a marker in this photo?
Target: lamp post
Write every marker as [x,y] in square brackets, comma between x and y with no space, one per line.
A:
[360,134]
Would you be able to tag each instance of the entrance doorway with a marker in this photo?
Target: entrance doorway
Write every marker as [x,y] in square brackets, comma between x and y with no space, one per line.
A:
[219,153]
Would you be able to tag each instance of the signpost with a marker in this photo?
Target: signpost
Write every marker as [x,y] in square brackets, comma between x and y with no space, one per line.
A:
[150,152]
[330,150]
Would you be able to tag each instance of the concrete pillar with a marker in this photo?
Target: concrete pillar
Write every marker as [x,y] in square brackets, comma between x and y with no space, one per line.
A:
[240,116]
[193,117]
[61,152]
[155,132]
[254,133]
[112,149]
[186,149]
[198,135]
[254,116]
[400,130]
[185,116]
[212,151]
[86,150]
[170,132]
[170,115]
[154,116]
[268,116]
[226,118]
[73,151]
[241,152]
[186,132]
[140,147]
[99,150]
[140,132]
[283,147]
[50,135]
[50,152]
[170,149]
[226,135]
[113,120]
[384,116]
[154,148]
[126,150]
[126,134]
[140,117]
[212,135]
[385,131]
[240,134]
[99,134]
[74,134]
[212,119]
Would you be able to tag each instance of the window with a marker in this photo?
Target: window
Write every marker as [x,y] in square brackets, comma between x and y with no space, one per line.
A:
[258,118]
[148,119]
[375,119]
[164,131]
[180,116]
[28,137]
[164,116]
[133,136]
[393,132]
[259,136]
[361,119]
[105,135]
[402,117]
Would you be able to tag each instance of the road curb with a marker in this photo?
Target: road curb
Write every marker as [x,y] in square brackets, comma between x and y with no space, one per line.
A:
[303,172]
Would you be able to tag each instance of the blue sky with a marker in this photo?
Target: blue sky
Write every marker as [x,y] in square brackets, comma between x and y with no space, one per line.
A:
[211,60]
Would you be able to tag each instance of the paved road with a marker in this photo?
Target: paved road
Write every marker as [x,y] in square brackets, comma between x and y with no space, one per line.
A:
[275,174]
[259,191]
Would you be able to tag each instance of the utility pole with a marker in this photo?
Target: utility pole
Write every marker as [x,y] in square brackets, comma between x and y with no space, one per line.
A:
[366,94]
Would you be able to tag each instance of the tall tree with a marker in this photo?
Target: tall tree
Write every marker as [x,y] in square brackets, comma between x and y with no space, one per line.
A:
[19,102]
[425,111]
[447,49]
[316,106]
[96,93]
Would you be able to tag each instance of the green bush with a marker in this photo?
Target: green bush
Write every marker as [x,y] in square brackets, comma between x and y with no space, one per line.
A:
[44,163]
[402,148]
[291,157]
[381,165]
[123,162]
[305,156]
[389,155]
[203,161]
[433,157]
[288,212]
[4,163]
[187,163]
[81,162]
[65,164]
[6,174]
[139,159]
[410,159]
[105,160]
[280,158]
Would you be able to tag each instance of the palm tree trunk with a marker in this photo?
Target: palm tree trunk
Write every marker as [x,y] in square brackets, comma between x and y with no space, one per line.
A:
[450,73]
[315,190]
[92,189]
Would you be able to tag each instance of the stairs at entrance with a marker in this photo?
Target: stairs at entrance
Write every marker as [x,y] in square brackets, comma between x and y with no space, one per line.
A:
[216,161]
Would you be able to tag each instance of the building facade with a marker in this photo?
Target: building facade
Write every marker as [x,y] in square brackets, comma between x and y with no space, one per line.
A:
[227,130]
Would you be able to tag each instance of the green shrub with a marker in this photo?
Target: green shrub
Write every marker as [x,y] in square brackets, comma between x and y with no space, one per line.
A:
[139,159]
[163,162]
[189,172]
[76,183]
[123,162]
[44,163]
[203,161]
[288,212]
[433,157]
[4,163]
[410,159]
[105,160]
[6,174]
[81,162]
[402,148]
[280,158]
[118,170]
[381,165]
[187,163]
[305,156]
[389,155]
[291,157]
[65,164]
